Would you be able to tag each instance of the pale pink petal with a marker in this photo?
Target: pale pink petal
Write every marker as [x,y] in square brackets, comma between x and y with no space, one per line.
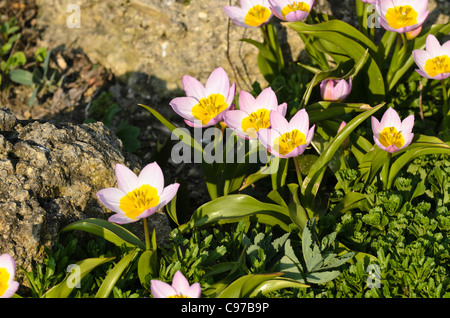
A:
[120,218]
[421,57]
[167,194]
[110,197]
[407,124]
[408,139]
[152,175]
[266,138]
[11,290]
[183,106]
[180,283]
[282,109]
[194,291]
[193,88]
[147,213]
[279,123]
[233,119]
[391,119]
[231,95]
[300,121]
[423,73]
[126,179]
[433,46]
[297,15]
[247,102]
[218,82]
[376,127]
[267,99]
[8,262]
[161,289]
[310,135]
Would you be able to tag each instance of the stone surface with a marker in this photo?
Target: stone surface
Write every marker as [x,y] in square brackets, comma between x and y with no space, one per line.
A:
[49,175]
[151,44]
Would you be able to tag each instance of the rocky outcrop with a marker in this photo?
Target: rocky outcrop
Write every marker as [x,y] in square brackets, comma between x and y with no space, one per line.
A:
[151,44]
[49,175]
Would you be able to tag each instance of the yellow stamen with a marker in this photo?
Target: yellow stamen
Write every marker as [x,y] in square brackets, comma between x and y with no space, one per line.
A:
[139,200]
[437,65]
[296,6]
[178,296]
[289,141]
[257,15]
[401,16]
[4,279]
[390,136]
[256,121]
[209,107]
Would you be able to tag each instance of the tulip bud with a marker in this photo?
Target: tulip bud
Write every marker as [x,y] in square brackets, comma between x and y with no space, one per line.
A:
[411,35]
[335,90]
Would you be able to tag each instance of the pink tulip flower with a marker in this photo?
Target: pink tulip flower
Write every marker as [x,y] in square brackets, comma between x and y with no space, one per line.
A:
[289,10]
[180,288]
[137,197]
[8,286]
[251,14]
[287,139]
[392,134]
[402,15]
[204,106]
[434,61]
[253,113]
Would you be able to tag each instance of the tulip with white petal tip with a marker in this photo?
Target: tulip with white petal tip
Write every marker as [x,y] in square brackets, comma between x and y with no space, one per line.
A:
[391,133]
[434,61]
[251,13]
[8,286]
[137,197]
[180,288]
[287,139]
[402,16]
[253,113]
[204,106]
[289,10]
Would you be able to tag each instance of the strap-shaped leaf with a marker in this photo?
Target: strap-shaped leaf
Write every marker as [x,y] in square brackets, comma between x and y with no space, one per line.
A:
[235,207]
[111,232]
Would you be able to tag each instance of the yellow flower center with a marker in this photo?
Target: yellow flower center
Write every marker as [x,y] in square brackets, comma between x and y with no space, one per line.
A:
[390,136]
[288,141]
[437,65]
[139,200]
[401,16]
[296,6]
[4,279]
[178,296]
[209,107]
[257,15]
[256,121]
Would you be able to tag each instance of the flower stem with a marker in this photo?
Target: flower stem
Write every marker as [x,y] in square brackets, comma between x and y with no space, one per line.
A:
[445,109]
[299,173]
[385,172]
[147,236]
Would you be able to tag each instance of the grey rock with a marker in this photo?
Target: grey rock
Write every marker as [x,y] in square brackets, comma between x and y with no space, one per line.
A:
[49,175]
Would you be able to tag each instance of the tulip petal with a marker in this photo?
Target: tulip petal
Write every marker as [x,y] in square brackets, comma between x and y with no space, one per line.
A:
[267,99]
[180,283]
[218,82]
[376,126]
[183,106]
[300,121]
[110,197]
[152,175]
[193,88]
[407,124]
[120,218]
[391,119]
[247,102]
[161,289]
[126,179]
[279,122]
[167,194]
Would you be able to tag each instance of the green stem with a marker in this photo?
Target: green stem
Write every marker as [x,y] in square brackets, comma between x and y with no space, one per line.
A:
[445,106]
[385,172]
[299,173]
[147,235]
